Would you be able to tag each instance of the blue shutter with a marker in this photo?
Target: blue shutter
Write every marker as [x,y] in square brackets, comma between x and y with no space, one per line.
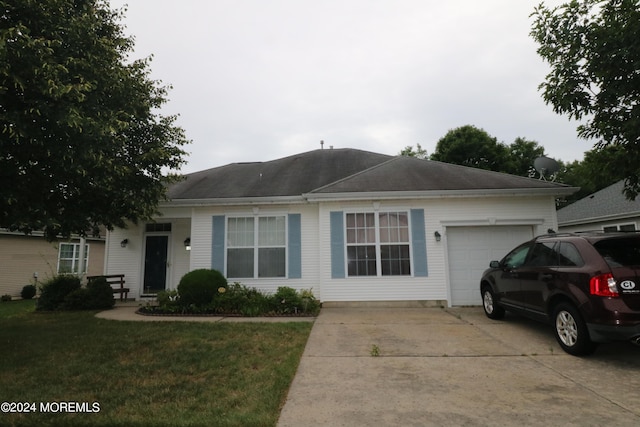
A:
[294,247]
[418,243]
[217,243]
[336,223]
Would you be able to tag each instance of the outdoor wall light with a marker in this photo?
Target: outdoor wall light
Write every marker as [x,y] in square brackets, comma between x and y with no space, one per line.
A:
[124,243]
[437,236]
[187,243]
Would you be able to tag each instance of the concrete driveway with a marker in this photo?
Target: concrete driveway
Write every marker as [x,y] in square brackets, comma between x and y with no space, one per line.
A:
[455,367]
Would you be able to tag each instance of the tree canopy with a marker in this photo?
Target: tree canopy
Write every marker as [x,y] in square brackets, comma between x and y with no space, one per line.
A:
[522,154]
[592,47]
[82,142]
[596,171]
[471,146]
[418,152]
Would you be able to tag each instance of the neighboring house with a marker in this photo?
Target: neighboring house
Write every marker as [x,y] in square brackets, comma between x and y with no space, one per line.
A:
[606,210]
[30,259]
[351,225]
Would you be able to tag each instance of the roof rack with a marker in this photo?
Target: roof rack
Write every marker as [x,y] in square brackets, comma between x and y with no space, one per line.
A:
[586,232]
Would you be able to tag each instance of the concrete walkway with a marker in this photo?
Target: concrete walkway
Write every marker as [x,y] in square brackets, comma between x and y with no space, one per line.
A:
[455,367]
[127,312]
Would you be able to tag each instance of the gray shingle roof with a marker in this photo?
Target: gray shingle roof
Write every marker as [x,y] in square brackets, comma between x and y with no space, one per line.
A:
[607,202]
[410,174]
[343,171]
[289,176]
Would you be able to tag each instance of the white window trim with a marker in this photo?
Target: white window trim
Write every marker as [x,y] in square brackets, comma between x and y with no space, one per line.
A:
[378,244]
[617,226]
[74,259]
[256,247]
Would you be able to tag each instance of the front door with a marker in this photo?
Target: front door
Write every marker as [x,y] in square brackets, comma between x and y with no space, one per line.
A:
[155,264]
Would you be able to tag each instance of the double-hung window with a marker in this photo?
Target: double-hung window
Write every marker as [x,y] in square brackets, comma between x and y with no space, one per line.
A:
[69,258]
[624,227]
[256,247]
[378,244]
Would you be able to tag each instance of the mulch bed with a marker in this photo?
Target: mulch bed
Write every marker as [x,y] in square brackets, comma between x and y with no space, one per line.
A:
[155,311]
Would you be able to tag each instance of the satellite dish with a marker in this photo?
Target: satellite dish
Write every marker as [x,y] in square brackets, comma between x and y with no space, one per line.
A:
[546,167]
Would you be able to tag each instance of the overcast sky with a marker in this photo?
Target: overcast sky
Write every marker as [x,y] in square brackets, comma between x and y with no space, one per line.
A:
[257,80]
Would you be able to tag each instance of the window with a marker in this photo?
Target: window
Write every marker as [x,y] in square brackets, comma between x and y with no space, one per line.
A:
[543,254]
[378,244]
[256,247]
[569,255]
[69,256]
[619,252]
[153,227]
[516,257]
[624,227]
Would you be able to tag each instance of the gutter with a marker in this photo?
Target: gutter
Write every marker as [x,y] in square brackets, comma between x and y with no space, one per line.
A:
[439,194]
[379,195]
[235,201]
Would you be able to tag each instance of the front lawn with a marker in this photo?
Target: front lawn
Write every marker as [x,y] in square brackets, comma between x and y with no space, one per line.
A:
[143,373]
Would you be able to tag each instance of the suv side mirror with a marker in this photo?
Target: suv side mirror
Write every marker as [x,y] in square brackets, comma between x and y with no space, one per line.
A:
[494,264]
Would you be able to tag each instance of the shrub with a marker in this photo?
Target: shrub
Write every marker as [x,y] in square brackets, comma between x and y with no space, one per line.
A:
[310,304]
[96,296]
[5,298]
[28,292]
[76,300]
[168,298]
[239,299]
[54,291]
[199,287]
[287,300]
[99,294]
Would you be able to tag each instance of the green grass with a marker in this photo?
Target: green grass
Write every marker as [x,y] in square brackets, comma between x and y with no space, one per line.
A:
[146,373]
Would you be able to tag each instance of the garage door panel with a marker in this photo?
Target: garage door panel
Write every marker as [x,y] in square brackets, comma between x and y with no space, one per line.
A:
[470,249]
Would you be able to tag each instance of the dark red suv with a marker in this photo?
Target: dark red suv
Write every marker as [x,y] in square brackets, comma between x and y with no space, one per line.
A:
[586,284]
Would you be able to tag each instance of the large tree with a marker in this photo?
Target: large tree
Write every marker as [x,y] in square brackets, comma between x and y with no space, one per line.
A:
[592,47]
[82,142]
[473,147]
[597,170]
[522,155]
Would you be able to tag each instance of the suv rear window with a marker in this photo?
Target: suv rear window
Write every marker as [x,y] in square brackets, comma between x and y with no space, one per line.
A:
[620,252]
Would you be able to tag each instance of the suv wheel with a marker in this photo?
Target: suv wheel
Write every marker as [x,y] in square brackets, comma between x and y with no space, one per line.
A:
[571,331]
[491,309]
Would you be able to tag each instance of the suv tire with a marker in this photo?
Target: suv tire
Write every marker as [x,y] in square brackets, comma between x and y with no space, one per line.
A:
[571,331]
[491,309]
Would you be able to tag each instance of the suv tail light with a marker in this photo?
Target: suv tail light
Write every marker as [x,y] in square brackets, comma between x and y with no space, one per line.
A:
[603,286]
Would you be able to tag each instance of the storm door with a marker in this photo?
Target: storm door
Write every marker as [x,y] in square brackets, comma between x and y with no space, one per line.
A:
[155,263]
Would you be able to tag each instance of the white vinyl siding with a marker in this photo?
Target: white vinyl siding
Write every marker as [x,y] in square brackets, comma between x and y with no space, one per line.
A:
[441,215]
[430,282]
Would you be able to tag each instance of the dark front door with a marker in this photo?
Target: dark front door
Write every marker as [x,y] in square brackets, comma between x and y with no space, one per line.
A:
[155,264]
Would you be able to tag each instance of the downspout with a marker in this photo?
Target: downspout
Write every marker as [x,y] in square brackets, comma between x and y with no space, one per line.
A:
[82,270]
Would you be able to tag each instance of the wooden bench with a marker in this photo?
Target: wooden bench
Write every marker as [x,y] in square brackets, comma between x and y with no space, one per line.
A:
[118,281]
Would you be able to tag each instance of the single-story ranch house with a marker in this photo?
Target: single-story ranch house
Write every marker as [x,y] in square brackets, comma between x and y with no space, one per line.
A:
[352,225]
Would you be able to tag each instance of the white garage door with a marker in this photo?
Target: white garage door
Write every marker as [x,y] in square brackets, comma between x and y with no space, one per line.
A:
[470,250]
